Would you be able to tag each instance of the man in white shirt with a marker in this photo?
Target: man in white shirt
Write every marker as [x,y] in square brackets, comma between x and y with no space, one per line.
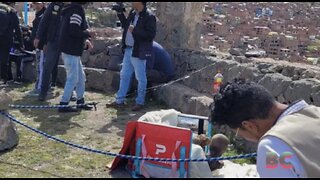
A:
[285,149]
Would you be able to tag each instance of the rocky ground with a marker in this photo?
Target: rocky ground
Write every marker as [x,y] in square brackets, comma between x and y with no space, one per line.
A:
[36,156]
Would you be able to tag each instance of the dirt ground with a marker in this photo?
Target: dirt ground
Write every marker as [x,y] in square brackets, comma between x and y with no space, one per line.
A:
[37,156]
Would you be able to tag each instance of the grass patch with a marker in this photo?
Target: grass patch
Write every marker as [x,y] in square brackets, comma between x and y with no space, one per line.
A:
[233,152]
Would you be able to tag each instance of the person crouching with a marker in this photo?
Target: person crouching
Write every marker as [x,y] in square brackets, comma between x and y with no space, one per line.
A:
[74,37]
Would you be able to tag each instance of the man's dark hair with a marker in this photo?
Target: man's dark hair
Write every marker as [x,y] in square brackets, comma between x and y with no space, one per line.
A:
[238,101]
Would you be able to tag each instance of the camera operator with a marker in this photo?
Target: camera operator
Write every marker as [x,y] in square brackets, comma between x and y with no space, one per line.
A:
[139,31]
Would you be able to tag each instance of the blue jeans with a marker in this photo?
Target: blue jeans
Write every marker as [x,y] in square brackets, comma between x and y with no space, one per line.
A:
[75,77]
[138,66]
[40,59]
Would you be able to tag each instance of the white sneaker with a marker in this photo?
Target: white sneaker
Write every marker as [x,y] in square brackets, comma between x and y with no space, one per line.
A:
[34,92]
[10,81]
[17,82]
[4,84]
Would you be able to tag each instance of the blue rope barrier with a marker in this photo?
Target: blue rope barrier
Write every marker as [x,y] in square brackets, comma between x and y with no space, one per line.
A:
[122,155]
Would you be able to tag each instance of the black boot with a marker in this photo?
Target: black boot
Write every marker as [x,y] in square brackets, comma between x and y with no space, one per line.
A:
[66,109]
[84,106]
[42,96]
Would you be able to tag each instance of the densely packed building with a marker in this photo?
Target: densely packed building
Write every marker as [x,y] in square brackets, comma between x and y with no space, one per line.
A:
[283,30]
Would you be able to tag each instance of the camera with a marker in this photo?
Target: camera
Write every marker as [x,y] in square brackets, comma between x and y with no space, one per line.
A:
[119,7]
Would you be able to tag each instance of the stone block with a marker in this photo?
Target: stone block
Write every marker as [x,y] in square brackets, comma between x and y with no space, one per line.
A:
[96,79]
[303,89]
[276,83]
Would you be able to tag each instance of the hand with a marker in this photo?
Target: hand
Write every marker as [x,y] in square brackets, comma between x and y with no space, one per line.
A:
[119,7]
[131,28]
[44,48]
[22,48]
[89,45]
[36,43]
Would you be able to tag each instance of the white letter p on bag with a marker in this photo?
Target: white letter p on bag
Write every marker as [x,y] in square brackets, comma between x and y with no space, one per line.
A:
[160,149]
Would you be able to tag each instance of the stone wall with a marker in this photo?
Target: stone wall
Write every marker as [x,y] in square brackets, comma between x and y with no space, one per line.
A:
[100,80]
[107,54]
[286,81]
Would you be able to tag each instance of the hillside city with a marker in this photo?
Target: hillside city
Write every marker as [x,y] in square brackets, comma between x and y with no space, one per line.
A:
[278,30]
[283,30]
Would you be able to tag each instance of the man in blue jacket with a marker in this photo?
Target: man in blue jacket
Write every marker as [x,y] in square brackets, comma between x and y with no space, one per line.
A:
[139,30]
[160,67]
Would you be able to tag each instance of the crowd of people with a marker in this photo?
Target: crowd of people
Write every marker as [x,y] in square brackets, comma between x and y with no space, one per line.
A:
[61,29]
[247,108]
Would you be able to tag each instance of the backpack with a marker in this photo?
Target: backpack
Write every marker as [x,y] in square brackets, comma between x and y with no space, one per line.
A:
[147,139]
[4,18]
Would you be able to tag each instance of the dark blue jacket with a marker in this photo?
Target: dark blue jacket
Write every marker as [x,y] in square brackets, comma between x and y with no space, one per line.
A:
[161,61]
[73,32]
[14,30]
[35,25]
[50,23]
[143,33]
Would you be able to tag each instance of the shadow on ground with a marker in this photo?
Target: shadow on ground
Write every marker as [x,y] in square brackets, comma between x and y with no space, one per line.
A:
[51,121]
[124,115]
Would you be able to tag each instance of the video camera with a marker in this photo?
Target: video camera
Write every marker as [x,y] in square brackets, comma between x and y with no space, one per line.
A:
[119,7]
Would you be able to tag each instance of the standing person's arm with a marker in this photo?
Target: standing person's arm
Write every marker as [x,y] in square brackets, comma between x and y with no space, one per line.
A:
[151,60]
[74,28]
[33,33]
[43,26]
[149,32]
[88,44]
[122,19]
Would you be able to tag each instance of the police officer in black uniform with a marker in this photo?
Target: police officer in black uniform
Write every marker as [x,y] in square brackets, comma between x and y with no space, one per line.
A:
[6,38]
[48,31]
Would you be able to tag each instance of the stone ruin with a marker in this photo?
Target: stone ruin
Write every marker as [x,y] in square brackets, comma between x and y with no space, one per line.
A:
[179,33]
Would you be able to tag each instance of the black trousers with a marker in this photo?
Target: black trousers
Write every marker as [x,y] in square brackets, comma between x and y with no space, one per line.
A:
[4,60]
[54,73]
[50,63]
[17,60]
